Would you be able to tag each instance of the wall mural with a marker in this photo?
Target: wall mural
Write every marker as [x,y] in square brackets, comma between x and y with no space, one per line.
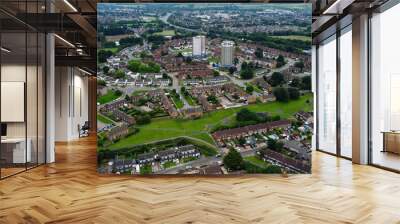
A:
[204,88]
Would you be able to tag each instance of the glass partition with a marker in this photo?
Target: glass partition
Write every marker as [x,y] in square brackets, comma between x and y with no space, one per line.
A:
[14,153]
[41,97]
[346,92]
[22,100]
[32,97]
[327,95]
[385,89]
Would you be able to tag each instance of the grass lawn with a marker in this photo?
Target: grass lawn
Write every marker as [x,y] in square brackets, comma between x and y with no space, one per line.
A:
[169,164]
[178,102]
[295,37]
[190,100]
[213,59]
[256,161]
[139,92]
[114,50]
[108,97]
[164,128]
[258,90]
[103,119]
[146,169]
[188,159]
[166,33]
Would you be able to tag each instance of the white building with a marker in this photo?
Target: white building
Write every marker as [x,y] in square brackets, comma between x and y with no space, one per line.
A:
[227,49]
[199,46]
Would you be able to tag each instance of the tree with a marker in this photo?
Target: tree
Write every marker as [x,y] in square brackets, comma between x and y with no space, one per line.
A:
[235,61]
[276,79]
[215,73]
[242,141]
[249,65]
[243,66]
[245,115]
[275,145]
[294,93]
[273,169]
[280,61]
[306,82]
[156,39]
[143,119]
[249,89]
[212,99]
[232,70]
[102,55]
[137,66]
[143,54]
[300,65]
[142,101]
[106,69]
[127,98]
[101,82]
[109,45]
[233,160]
[259,53]
[281,94]
[247,74]
[296,82]
[119,74]
[118,92]
[134,65]
[131,41]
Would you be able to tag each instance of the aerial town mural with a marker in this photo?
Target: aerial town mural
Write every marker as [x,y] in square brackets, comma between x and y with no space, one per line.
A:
[205,89]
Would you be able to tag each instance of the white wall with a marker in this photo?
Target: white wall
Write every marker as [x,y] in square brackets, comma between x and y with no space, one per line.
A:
[71,102]
[33,126]
[12,73]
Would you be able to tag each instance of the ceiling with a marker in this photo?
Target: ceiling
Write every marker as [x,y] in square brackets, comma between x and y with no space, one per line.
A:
[74,22]
[328,15]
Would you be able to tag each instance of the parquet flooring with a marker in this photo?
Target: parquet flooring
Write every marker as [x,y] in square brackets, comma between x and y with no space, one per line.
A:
[70,191]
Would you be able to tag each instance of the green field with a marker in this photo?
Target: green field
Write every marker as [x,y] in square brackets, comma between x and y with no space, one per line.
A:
[139,92]
[256,89]
[103,119]
[190,100]
[295,37]
[213,59]
[169,164]
[256,161]
[108,97]
[165,128]
[146,169]
[188,159]
[177,101]
[114,50]
[166,33]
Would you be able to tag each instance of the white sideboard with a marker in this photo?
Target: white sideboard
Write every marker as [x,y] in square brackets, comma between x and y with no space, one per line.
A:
[19,153]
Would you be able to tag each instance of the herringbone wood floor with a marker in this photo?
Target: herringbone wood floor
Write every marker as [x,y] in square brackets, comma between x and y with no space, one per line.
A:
[70,191]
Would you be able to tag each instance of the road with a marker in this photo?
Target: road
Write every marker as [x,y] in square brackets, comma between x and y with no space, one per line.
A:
[185,103]
[195,163]
[204,161]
